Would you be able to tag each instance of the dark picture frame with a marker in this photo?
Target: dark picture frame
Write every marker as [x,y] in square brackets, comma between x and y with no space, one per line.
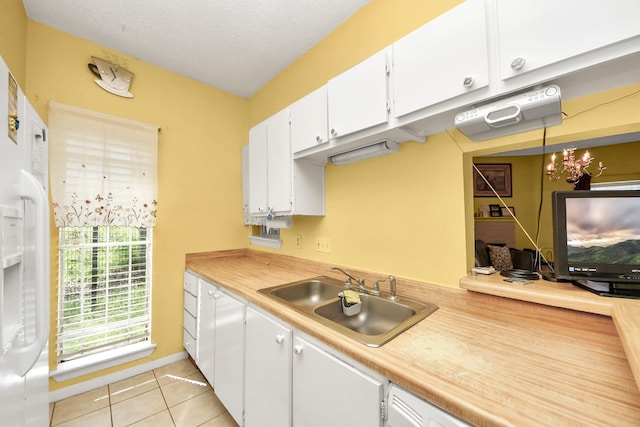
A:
[497,174]
[494,210]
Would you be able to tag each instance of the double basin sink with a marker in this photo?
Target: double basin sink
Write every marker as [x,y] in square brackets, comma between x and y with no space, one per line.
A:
[379,320]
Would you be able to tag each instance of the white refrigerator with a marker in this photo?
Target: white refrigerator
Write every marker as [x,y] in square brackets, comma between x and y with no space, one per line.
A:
[24,259]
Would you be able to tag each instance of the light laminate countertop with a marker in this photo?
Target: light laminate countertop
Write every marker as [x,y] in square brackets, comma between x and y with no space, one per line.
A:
[492,360]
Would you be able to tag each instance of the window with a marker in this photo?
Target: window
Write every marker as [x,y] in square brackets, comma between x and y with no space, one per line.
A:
[105,289]
[103,176]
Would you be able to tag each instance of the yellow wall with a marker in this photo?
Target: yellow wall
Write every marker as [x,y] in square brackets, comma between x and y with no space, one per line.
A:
[13,38]
[199,161]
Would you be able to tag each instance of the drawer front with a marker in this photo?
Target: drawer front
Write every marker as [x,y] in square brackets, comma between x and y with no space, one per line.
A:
[189,343]
[190,283]
[189,323]
[191,304]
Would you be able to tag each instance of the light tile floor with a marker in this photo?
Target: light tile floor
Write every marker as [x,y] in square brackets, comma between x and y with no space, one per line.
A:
[173,395]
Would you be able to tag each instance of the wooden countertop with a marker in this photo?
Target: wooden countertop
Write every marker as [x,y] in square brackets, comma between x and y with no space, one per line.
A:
[625,312]
[490,360]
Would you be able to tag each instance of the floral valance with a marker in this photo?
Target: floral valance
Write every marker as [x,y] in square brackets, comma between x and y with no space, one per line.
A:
[103,169]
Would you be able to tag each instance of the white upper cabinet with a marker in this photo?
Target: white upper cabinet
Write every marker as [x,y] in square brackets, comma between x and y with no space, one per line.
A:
[443,59]
[279,166]
[258,198]
[535,34]
[358,98]
[277,183]
[270,166]
[309,122]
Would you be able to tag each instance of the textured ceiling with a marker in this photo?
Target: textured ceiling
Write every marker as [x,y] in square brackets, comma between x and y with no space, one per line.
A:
[233,45]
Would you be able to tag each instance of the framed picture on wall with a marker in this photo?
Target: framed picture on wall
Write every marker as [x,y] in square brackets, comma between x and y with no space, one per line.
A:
[496,175]
[495,210]
[505,211]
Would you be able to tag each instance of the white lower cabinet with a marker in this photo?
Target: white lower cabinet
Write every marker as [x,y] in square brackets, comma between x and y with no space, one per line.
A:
[190,314]
[206,328]
[267,371]
[329,392]
[291,381]
[229,354]
[267,374]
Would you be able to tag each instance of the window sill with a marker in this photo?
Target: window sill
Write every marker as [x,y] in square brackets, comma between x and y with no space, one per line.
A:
[265,241]
[104,360]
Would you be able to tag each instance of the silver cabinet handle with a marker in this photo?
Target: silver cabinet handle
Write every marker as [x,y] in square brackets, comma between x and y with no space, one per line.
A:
[318,138]
[518,63]
[279,339]
[297,349]
[468,81]
[333,132]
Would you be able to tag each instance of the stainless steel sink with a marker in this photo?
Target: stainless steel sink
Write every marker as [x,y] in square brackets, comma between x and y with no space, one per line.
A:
[307,293]
[378,321]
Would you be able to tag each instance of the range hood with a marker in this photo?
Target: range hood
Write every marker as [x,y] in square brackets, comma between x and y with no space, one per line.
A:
[530,110]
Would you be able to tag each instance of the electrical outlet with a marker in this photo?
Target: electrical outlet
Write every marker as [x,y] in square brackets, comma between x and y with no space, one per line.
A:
[323,244]
[298,241]
[327,245]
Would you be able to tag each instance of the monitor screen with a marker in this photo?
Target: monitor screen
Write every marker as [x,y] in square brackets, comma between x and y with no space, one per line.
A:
[597,238]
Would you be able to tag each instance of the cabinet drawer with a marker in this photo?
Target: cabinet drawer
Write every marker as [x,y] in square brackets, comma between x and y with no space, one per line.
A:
[190,283]
[189,323]
[189,343]
[190,303]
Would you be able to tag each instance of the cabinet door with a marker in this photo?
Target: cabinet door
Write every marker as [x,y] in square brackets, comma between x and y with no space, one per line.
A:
[358,97]
[229,354]
[545,32]
[258,169]
[329,392]
[279,162]
[267,372]
[309,122]
[443,59]
[206,329]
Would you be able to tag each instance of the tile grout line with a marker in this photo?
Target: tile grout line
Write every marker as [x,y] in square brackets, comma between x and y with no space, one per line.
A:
[163,397]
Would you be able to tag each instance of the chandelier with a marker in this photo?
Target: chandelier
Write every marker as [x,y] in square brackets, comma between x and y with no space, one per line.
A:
[573,167]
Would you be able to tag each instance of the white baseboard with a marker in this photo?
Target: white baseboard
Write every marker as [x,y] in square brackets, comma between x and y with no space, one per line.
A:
[103,380]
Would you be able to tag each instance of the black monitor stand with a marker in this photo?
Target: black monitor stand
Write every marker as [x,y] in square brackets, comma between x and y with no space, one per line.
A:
[610,289]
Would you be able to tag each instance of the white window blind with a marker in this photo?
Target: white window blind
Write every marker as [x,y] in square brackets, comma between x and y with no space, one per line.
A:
[103,169]
[103,176]
[105,289]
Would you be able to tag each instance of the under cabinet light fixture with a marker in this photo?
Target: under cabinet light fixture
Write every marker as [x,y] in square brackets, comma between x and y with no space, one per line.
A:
[367,152]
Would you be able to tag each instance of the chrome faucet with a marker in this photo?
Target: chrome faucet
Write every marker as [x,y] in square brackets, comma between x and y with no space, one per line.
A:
[350,278]
[392,288]
[376,287]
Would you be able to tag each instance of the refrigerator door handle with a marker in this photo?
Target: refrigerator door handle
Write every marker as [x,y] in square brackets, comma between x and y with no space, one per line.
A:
[24,358]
